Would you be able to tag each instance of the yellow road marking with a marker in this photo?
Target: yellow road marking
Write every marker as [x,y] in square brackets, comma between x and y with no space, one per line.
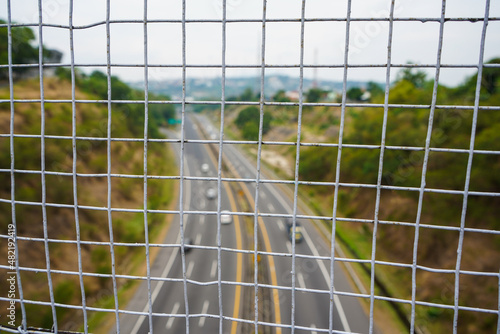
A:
[267,244]
[272,267]
[239,260]
[239,256]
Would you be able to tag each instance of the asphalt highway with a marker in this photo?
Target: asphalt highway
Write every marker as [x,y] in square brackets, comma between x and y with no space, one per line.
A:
[200,265]
[311,308]
[204,294]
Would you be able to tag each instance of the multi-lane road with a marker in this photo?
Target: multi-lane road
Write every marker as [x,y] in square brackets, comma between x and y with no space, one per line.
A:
[206,290]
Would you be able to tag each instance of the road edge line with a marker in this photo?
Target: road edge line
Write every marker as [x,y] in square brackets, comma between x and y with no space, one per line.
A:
[239,245]
[165,272]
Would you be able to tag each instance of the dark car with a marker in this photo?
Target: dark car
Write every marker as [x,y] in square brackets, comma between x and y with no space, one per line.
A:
[188,243]
[298,231]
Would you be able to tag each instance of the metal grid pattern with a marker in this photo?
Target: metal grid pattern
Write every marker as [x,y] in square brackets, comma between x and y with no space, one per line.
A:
[258,181]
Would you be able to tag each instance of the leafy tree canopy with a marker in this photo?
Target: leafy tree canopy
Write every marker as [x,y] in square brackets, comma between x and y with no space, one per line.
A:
[354,94]
[97,83]
[280,96]
[248,121]
[22,50]
[314,95]
[375,89]
[412,75]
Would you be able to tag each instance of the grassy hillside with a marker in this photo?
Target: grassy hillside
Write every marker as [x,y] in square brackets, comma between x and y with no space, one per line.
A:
[406,127]
[126,158]
[445,170]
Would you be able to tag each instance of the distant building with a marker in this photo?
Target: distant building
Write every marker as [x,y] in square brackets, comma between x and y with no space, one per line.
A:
[50,57]
[366,96]
[293,95]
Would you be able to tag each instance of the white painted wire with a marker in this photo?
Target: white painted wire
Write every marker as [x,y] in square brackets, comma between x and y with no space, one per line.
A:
[12,169]
[297,159]
[258,171]
[74,170]
[181,163]
[260,182]
[42,167]
[469,168]
[381,167]
[424,168]
[337,167]
[108,166]
[219,163]
[145,165]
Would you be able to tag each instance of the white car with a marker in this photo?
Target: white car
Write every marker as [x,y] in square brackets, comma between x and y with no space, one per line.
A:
[211,193]
[204,168]
[225,217]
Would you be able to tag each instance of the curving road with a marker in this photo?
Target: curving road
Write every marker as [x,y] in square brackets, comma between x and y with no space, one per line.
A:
[200,265]
[204,294]
[311,308]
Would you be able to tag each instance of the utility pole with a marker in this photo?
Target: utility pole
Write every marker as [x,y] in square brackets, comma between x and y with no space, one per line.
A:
[315,69]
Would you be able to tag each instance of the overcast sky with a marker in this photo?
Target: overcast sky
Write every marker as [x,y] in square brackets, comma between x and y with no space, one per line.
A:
[324,41]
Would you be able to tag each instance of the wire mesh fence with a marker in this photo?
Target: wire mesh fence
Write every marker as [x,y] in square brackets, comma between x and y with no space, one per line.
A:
[348,189]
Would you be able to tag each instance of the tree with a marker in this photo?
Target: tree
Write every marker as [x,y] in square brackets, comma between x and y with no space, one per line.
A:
[22,50]
[246,115]
[314,95]
[354,94]
[491,77]
[416,77]
[248,95]
[375,89]
[280,96]
[248,122]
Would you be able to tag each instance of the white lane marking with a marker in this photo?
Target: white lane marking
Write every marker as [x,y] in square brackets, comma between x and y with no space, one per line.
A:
[170,321]
[300,278]
[170,263]
[187,203]
[326,275]
[271,207]
[201,203]
[313,326]
[198,239]
[281,226]
[214,268]
[289,246]
[138,324]
[189,270]
[263,194]
[339,308]
[204,310]
[202,220]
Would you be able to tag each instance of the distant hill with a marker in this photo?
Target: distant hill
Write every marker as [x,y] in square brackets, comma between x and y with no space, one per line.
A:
[206,88]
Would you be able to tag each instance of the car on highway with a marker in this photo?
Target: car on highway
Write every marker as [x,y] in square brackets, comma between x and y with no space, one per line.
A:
[188,243]
[298,231]
[211,193]
[204,168]
[225,217]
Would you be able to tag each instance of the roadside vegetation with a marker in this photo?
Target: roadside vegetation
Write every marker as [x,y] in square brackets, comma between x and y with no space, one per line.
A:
[127,158]
[406,128]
